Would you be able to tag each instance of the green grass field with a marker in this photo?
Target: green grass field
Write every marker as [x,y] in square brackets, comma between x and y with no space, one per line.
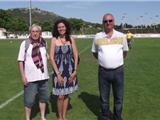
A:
[142,84]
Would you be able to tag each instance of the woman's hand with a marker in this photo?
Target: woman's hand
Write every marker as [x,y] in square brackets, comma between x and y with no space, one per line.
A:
[72,77]
[60,80]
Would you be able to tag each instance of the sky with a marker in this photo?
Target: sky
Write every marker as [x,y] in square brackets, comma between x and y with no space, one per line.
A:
[135,12]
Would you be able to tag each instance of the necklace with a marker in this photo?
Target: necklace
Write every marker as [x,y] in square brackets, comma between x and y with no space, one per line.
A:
[63,40]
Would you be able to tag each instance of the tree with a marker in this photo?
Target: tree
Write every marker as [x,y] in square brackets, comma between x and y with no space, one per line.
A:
[4,19]
[18,24]
[76,24]
[46,25]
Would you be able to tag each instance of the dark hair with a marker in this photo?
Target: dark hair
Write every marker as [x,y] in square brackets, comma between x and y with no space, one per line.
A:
[55,32]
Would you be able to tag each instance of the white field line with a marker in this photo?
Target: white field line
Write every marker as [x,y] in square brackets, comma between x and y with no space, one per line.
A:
[21,92]
[11,99]
[84,49]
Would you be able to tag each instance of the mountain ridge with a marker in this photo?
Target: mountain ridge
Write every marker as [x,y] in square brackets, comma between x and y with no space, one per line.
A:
[36,14]
[17,20]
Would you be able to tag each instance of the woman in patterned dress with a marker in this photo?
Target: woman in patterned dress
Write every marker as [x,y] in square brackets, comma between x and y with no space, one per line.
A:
[64,60]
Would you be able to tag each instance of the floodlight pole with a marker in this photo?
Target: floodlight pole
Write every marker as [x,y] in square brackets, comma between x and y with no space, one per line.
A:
[30,13]
[141,18]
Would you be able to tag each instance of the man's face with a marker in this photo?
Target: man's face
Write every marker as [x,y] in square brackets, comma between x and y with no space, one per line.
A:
[108,22]
[35,33]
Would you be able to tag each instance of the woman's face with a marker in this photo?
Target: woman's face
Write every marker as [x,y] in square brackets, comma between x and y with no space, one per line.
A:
[61,28]
[35,33]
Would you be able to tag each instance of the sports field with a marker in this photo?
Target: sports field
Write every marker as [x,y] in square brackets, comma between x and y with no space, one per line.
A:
[142,84]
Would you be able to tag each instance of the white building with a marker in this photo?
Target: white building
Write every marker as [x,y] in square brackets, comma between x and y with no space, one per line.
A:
[46,34]
[2,33]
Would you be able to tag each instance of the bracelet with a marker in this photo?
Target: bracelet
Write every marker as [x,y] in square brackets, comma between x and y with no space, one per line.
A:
[58,73]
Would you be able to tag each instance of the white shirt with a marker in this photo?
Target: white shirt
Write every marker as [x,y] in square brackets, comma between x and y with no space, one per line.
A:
[110,50]
[31,71]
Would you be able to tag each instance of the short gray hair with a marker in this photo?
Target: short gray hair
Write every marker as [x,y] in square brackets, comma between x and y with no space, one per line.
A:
[35,25]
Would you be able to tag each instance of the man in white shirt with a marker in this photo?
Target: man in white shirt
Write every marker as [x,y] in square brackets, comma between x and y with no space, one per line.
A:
[32,62]
[109,48]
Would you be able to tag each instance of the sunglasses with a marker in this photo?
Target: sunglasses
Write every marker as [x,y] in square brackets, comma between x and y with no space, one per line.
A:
[107,21]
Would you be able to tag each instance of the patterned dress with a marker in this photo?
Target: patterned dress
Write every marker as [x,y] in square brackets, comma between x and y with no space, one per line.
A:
[65,63]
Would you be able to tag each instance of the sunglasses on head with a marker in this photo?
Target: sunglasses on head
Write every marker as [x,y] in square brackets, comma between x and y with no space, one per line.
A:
[107,21]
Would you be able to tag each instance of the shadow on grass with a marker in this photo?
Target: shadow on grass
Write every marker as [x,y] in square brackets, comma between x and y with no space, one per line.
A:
[93,103]
[35,109]
[53,103]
